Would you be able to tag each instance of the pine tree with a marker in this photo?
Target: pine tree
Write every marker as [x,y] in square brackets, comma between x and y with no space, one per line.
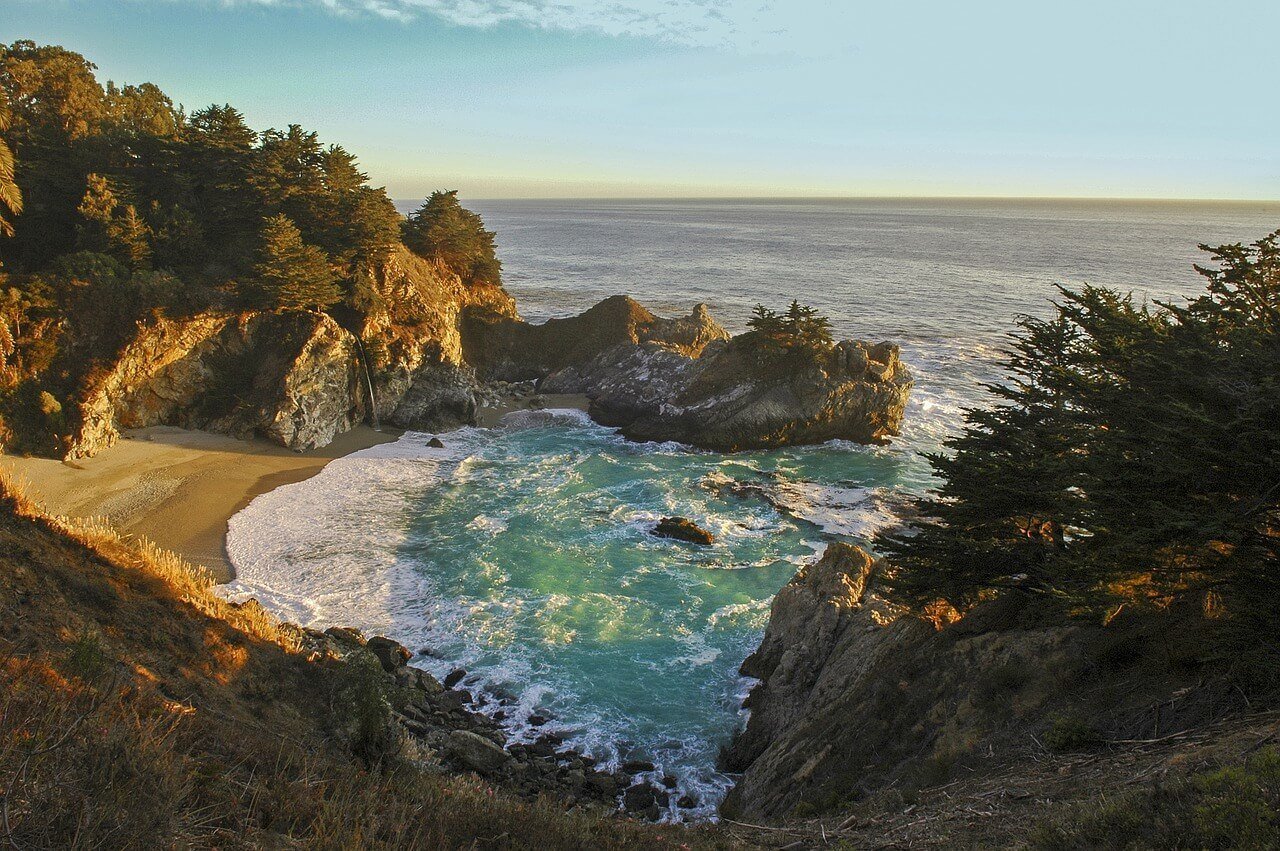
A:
[445,231]
[109,227]
[292,275]
[10,194]
[1133,457]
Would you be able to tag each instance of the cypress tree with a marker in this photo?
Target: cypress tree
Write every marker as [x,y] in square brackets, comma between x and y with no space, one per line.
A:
[292,275]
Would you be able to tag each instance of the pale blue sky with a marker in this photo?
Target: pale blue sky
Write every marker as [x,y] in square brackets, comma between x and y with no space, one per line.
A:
[507,98]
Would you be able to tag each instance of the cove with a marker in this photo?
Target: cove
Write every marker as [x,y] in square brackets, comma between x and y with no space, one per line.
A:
[524,555]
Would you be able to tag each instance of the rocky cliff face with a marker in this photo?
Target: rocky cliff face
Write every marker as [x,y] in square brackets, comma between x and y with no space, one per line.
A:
[425,341]
[854,699]
[290,377]
[298,378]
[501,347]
[731,398]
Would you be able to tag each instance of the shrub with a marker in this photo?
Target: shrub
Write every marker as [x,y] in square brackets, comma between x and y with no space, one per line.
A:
[1069,733]
[1231,807]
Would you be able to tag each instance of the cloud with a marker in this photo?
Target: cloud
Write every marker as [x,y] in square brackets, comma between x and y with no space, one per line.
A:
[690,22]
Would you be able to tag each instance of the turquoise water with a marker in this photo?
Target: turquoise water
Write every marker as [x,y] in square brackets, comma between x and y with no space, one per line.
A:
[523,554]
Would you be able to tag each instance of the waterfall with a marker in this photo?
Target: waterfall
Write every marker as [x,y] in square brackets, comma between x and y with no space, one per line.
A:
[368,382]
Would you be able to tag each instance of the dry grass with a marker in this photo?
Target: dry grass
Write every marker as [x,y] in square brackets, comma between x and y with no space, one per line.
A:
[138,709]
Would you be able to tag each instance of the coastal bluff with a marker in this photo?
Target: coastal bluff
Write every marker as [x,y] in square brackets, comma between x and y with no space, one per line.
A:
[429,347]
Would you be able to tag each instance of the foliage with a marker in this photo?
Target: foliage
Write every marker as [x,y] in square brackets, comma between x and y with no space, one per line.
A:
[1232,807]
[800,329]
[120,170]
[292,275]
[1132,457]
[116,206]
[10,194]
[445,231]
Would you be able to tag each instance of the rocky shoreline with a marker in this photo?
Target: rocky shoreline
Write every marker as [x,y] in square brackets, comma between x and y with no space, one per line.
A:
[450,736]
[431,352]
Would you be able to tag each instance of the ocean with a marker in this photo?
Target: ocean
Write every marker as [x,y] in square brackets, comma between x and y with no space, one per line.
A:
[523,555]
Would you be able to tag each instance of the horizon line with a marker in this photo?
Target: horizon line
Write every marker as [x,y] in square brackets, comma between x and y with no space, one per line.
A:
[1085,198]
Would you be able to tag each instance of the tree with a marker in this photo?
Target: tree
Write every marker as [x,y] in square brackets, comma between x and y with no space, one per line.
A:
[292,275]
[110,227]
[801,330]
[1132,457]
[216,158]
[445,231]
[10,194]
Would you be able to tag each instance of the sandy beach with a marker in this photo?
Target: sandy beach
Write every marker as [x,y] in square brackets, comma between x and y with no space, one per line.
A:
[177,487]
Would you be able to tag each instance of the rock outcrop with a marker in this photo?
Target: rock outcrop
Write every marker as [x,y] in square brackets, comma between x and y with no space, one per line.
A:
[290,377]
[855,698]
[683,529]
[418,350]
[733,397]
[501,347]
[298,378]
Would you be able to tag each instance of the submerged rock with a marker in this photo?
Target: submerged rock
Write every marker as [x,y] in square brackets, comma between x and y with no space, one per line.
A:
[683,529]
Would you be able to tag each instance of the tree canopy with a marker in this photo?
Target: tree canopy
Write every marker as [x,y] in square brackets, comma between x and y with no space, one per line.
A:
[445,231]
[799,329]
[1132,457]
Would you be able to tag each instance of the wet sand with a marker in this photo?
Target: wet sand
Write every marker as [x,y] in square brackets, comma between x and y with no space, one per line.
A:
[177,487]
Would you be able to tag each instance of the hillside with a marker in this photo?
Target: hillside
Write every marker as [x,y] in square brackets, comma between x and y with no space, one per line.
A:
[123,674]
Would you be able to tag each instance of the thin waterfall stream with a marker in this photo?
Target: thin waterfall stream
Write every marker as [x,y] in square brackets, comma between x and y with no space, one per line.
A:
[368,382]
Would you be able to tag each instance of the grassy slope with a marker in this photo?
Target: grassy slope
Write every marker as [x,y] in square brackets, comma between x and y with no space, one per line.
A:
[137,709]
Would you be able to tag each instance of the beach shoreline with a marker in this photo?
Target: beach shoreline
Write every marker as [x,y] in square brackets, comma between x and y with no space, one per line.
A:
[179,488]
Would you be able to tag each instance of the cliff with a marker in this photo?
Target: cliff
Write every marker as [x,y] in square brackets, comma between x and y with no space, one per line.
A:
[502,347]
[732,396]
[855,700]
[422,343]
[298,377]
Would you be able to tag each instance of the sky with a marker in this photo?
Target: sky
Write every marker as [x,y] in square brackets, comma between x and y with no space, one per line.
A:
[637,98]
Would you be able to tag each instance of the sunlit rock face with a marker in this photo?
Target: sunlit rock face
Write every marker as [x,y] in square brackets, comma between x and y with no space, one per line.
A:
[502,347]
[299,378]
[727,399]
[290,377]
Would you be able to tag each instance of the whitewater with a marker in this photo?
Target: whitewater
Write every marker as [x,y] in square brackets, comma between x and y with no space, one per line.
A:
[523,554]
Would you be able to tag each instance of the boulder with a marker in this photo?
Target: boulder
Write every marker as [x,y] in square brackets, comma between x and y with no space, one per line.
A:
[645,800]
[476,753]
[683,529]
[391,654]
[348,635]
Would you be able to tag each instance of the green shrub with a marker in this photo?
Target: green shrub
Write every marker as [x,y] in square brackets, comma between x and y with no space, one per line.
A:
[361,708]
[85,657]
[1069,733]
[1231,807]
